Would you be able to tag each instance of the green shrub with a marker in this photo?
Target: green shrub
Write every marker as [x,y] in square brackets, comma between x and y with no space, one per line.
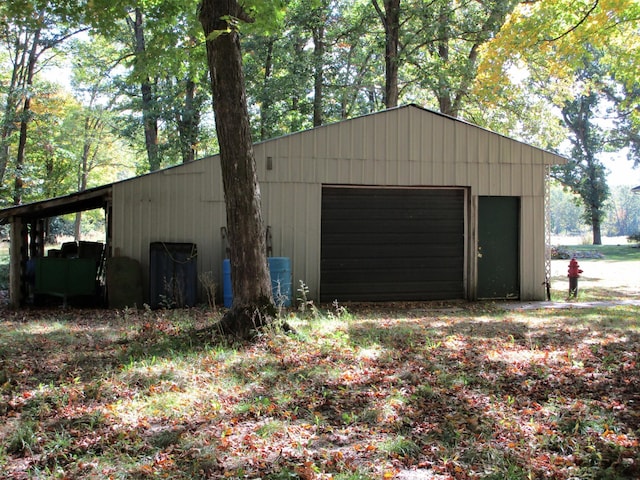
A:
[635,238]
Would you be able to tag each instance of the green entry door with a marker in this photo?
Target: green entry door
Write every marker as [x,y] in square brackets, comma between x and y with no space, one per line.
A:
[498,247]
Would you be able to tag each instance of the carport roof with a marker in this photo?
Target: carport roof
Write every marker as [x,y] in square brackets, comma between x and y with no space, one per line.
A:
[72,203]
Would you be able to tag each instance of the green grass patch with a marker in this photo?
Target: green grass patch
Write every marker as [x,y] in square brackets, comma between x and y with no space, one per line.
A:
[617,253]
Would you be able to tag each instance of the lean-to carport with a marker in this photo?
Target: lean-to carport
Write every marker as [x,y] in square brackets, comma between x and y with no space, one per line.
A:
[28,231]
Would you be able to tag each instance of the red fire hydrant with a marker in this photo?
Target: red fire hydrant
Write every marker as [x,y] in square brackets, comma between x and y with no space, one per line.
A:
[574,273]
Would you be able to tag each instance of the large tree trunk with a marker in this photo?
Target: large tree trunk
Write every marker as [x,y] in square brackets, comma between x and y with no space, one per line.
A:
[296,118]
[391,21]
[444,90]
[18,183]
[252,296]
[149,114]
[595,226]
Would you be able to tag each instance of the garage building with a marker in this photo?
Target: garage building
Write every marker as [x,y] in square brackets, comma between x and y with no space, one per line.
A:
[404,204]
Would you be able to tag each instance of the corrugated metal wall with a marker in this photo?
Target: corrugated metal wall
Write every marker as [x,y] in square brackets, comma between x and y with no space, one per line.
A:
[405,146]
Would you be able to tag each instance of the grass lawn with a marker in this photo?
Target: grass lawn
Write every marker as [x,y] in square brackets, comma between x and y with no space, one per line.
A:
[421,391]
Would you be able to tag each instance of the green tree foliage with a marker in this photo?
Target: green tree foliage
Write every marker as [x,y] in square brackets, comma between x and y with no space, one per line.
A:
[545,44]
[623,212]
[566,211]
[599,97]
[163,72]
[444,45]
[584,173]
[31,31]
[51,169]
[322,69]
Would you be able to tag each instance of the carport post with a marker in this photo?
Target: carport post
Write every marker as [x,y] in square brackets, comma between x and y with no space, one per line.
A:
[15,262]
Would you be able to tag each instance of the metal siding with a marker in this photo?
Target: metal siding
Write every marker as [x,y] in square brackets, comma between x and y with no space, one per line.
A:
[473,170]
[378,129]
[320,147]
[358,141]
[461,173]
[507,180]
[405,146]
[494,150]
[358,169]
[295,227]
[168,208]
[335,139]
[448,159]
[495,178]
[460,155]
[415,172]
[532,253]
[414,144]
[527,187]
[504,149]
[482,180]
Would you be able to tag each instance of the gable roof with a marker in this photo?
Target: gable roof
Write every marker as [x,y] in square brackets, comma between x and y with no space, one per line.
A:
[98,197]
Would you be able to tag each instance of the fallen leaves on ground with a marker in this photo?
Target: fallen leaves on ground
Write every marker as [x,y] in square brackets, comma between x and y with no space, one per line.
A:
[456,391]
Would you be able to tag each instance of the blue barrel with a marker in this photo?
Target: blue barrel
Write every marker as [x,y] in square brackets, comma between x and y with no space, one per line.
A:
[227,292]
[280,271]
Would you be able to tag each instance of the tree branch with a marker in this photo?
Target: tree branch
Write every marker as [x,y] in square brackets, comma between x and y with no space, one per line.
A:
[380,12]
[574,27]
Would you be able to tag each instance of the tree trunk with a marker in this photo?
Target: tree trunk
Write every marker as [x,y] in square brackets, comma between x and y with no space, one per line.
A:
[265,107]
[18,77]
[149,115]
[83,175]
[252,296]
[8,127]
[296,118]
[188,122]
[391,21]
[444,93]
[597,235]
[25,116]
[18,183]
[318,73]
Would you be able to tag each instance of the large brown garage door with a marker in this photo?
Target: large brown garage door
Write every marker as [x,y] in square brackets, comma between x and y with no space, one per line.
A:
[381,244]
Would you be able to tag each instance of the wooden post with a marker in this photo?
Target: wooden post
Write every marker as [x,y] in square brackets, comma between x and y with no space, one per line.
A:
[15,262]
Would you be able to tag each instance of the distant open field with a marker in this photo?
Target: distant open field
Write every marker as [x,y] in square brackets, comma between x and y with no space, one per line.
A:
[614,276]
